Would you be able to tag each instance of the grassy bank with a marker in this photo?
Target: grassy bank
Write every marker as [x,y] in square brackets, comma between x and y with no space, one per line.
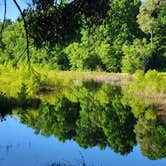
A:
[41,80]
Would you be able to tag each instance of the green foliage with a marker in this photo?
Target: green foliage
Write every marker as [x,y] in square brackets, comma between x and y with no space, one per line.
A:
[123,27]
[148,14]
[89,35]
[57,59]
[13,50]
[101,46]
[152,138]
[14,47]
[6,104]
[136,56]
[94,114]
[103,118]
[150,84]
[144,89]
[61,23]
[59,119]
[150,114]
[22,95]
[83,56]
[14,44]
[108,57]
[77,56]
[152,21]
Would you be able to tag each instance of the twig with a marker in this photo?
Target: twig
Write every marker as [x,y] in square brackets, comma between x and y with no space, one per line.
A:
[4,19]
[26,30]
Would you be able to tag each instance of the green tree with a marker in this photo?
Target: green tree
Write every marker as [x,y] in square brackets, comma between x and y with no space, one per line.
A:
[119,27]
[13,47]
[152,137]
[158,61]
[59,119]
[61,22]
[14,44]
[104,118]
[118,124]
[136,56]
[83,55]
[147,17]
[152,21]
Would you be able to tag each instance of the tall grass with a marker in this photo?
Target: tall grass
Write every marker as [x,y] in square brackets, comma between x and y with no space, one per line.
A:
[47,80]
[150,86]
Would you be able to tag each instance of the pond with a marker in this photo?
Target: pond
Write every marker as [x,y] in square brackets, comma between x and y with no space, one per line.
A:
[82,125]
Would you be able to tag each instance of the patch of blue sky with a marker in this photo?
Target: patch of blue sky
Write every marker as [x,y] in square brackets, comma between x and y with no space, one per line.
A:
[12,11]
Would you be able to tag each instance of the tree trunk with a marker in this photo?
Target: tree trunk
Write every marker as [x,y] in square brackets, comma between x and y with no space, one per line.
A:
[151,38]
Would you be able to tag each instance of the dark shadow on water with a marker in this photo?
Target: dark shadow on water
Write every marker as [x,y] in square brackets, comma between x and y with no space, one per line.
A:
[7,104]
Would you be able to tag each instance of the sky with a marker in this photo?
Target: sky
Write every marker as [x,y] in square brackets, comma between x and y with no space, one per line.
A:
[12,11]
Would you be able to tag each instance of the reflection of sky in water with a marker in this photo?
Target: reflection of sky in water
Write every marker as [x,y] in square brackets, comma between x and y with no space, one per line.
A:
[20,147]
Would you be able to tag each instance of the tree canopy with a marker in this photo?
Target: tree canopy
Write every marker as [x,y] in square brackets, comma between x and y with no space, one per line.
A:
[116,36]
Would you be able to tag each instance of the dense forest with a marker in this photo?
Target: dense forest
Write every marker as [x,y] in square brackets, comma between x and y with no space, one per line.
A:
[88,35]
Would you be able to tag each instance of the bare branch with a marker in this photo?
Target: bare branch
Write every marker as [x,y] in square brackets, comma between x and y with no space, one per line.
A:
[4,18]
[26,30]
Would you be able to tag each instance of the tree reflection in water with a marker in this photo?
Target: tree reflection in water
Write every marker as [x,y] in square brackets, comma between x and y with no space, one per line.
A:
[94,114]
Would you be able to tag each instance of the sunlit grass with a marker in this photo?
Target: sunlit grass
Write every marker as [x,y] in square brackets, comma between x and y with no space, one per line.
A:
[43,79]
[150,87]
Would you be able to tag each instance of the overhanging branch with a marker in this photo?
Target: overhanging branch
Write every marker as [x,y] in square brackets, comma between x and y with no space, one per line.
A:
[26,30]
[4,19]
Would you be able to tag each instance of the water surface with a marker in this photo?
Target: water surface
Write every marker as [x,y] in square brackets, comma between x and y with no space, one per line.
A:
[88,124]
